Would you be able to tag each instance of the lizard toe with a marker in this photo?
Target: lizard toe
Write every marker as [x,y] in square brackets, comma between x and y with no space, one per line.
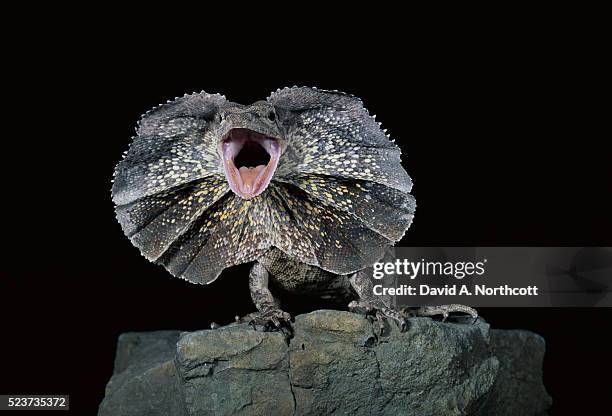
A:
[446,310]
[379,314]
[271,319]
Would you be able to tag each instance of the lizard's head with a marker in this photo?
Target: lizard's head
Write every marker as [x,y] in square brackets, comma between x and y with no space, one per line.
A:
[250,146]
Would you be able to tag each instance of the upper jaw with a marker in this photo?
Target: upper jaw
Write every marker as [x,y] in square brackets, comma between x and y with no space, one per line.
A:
[243,152]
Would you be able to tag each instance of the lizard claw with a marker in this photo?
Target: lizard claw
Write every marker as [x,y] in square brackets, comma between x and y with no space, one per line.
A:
[445,310]
[379,314]
[272,319]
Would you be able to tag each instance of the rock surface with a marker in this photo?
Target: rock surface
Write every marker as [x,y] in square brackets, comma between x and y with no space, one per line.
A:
[335,363]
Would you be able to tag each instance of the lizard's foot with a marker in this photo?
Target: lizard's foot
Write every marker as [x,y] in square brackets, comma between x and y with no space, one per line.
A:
[379,314]
[271,319]
[445,310]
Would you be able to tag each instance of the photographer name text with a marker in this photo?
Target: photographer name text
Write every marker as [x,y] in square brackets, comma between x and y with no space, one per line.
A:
[454,290]
[435,269]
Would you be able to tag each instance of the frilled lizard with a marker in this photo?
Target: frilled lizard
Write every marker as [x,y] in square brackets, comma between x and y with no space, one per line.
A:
[305,184]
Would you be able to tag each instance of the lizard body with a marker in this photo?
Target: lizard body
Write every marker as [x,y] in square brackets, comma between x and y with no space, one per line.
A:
[305,184]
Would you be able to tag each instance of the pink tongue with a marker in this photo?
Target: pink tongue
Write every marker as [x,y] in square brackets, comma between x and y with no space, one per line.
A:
[248,176]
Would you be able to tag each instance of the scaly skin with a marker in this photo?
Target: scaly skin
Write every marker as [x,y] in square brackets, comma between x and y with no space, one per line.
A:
[337,198]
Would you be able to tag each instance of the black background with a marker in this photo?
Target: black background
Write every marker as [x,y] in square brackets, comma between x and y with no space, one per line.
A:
[499,133]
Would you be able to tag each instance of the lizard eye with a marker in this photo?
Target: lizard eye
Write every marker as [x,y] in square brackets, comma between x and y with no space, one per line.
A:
[271,116]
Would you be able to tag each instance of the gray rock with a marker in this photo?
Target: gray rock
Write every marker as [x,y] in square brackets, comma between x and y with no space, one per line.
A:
[235,370]
[145,381]
[520,354]
[335,363]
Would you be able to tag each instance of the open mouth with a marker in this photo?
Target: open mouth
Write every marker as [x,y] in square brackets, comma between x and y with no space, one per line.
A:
[249,159]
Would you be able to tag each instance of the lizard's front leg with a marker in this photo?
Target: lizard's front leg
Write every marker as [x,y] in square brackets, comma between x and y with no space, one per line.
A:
[268,308]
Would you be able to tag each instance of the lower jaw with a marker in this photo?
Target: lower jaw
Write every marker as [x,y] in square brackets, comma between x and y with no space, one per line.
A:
[242,183]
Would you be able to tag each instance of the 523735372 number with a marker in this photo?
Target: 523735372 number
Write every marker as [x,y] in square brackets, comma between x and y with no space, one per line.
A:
[23,402]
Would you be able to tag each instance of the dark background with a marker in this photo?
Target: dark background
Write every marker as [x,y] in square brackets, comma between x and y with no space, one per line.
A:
[499,132]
